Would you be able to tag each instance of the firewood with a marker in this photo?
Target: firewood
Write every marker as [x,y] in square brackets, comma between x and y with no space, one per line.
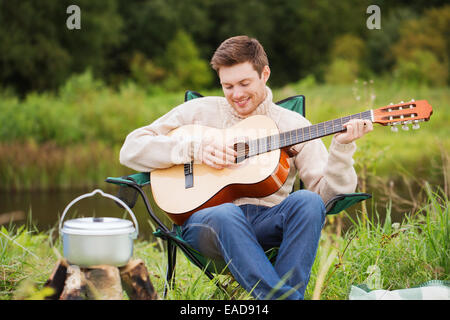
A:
[75,284]
[57,279]
[136,281]
[103,283]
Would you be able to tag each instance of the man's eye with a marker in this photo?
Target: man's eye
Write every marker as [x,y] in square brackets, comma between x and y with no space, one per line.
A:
[244,84]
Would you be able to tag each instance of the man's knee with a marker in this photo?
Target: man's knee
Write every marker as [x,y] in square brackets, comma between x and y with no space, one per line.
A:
[306,196]
[308,204]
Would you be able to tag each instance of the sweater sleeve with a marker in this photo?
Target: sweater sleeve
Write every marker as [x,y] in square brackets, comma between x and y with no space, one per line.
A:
[150,147]
[327,173]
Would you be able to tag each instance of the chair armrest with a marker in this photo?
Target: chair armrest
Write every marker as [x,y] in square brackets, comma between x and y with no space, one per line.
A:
[345,200]
[141,179]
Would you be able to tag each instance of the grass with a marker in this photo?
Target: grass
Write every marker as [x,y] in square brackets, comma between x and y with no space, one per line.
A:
[403,255]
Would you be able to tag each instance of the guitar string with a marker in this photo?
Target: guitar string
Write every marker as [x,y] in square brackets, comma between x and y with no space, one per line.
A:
[269,143]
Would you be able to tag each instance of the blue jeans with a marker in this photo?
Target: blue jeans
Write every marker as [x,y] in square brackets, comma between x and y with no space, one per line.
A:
[240,235]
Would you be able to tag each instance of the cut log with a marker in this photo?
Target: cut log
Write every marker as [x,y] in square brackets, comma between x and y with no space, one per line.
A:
[136,281]
[75,285]
[103,283]
[57,279]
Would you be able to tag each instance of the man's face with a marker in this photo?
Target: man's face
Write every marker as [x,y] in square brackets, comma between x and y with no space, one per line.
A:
[243,88]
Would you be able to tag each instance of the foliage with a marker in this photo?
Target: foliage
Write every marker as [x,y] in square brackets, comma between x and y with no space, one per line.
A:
[341,71]
[185,68]
[346,57]
[348,47]
[144,71]
[387,255]
[422,50]
[180,67]
[380,58]
[119,39]
[422,67]
[39,52]
[25,261]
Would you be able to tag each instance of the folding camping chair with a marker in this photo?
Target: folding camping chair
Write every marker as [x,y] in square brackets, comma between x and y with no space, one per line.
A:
[132,185]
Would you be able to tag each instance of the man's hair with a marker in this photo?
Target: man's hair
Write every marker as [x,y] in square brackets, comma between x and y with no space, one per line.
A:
[237,50]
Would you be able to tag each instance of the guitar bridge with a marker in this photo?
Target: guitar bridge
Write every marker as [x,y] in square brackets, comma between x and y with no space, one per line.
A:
[189,175]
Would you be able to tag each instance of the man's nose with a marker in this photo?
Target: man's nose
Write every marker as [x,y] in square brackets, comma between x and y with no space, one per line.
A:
[237,94]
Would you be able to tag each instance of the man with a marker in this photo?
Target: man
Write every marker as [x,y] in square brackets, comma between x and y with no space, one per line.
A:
[239,232]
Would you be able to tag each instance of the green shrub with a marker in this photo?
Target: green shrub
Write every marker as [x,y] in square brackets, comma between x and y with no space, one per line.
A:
[422,67]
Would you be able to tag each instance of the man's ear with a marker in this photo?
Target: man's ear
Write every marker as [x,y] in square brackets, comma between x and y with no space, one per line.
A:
[266,73]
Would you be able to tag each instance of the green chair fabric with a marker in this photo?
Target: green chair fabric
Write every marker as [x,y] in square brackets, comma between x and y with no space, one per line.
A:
[294,103]
[174,239]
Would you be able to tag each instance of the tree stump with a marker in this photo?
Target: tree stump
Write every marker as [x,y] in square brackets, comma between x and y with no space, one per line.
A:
[103,282]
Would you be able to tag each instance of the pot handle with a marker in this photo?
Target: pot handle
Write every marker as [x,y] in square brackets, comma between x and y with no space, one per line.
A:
[107,195]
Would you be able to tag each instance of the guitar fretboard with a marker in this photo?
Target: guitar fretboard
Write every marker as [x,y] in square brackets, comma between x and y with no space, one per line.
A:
[289,138]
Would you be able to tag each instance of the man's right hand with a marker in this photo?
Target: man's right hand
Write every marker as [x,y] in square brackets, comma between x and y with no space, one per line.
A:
[216,154]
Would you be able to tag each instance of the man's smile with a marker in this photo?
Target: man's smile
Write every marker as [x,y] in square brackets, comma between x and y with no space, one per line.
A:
[242,102]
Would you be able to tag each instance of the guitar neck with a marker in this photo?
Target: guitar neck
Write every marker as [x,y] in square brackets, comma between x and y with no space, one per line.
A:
[290,138]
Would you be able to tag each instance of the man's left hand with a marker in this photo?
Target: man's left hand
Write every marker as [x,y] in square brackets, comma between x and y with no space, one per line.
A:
[356,128]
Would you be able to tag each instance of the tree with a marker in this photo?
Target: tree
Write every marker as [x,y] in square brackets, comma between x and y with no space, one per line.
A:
[184,66]
[346,56]
[422,49]
[38,51]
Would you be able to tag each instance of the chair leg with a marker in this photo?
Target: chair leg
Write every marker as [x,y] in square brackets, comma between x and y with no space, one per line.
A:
[171,261]
[174,262]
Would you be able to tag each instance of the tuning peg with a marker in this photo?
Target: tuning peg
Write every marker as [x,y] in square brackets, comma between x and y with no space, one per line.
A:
[416,126]
[405,127]
[394,129]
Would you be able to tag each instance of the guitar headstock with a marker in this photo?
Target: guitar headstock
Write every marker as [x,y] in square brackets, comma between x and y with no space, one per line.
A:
[403,113]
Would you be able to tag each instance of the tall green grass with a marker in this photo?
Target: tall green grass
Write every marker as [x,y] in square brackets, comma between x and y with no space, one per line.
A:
[26,258]
[386,255]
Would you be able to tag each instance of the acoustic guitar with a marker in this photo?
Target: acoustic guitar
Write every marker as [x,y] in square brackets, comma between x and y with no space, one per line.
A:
[261,166]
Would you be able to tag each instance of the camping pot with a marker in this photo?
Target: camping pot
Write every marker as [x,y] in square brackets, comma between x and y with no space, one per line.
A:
[94,241]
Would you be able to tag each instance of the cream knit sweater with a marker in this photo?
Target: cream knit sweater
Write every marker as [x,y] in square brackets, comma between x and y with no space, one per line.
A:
[326,173]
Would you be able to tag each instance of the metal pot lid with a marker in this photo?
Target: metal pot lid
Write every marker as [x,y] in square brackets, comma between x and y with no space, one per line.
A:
[98,226]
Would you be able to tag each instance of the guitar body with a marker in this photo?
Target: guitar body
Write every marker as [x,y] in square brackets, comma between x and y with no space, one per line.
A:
[258,176]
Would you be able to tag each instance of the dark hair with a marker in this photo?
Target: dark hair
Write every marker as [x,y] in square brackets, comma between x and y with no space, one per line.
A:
[240,49]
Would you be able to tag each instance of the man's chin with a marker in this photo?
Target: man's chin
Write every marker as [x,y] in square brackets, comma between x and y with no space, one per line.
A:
[243,112]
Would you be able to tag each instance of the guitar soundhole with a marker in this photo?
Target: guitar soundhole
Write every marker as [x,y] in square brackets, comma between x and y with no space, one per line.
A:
[242,150]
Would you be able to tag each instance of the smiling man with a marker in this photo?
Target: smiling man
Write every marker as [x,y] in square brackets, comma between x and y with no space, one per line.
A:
[244,95]
[241,231]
